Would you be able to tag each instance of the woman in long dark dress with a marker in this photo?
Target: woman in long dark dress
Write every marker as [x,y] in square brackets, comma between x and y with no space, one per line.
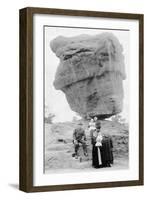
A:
[96,139]
[106,151]
[102,155]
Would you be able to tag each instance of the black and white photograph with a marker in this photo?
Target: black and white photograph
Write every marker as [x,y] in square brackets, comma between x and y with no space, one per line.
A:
[86,99]
[81,99]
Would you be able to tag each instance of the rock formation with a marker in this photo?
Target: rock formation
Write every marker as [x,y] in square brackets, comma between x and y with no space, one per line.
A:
[90,73]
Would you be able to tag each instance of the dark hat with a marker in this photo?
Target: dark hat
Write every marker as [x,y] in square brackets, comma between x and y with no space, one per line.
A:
[98,124]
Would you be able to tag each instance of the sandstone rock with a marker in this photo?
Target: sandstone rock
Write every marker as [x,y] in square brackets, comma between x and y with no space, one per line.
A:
[90,73]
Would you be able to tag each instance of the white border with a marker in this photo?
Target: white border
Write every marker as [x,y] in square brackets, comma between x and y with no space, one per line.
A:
[40,179]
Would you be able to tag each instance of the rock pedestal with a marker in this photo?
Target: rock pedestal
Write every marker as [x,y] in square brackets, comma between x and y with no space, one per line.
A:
[90,73]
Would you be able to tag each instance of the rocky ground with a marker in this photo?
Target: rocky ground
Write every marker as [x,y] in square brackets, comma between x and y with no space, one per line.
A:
[59,147]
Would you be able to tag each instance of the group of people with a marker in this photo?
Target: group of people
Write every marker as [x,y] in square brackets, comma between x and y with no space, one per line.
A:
[102,154]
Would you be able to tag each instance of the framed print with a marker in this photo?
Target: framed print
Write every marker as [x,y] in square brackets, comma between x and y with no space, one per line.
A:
[81,99]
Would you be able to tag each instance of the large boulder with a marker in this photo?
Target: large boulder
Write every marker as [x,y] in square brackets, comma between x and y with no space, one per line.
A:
[90,73]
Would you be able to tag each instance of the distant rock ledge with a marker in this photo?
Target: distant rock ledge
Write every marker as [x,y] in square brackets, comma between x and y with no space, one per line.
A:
[90,73]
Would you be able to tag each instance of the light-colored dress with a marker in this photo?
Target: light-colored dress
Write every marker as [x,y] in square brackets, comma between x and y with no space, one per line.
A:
[91,126]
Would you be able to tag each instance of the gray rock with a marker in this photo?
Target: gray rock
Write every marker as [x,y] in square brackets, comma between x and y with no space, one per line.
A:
[90,73]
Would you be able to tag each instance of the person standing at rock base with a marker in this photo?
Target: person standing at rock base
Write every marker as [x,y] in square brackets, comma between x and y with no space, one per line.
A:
[102,155]
[96,140]
[79,138]
[91,126]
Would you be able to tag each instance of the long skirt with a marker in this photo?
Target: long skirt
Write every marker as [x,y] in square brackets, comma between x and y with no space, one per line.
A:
[96,157]
[106,152]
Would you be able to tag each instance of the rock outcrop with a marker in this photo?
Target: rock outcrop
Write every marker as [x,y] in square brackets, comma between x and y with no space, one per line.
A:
[90,73]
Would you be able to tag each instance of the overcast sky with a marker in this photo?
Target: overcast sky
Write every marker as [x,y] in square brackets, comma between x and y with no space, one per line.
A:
[55,100]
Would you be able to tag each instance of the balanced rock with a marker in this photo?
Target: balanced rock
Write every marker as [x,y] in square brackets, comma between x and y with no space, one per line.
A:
[90,73]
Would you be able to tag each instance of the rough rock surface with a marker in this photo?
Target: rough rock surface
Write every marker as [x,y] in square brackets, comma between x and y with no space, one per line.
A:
[90,73]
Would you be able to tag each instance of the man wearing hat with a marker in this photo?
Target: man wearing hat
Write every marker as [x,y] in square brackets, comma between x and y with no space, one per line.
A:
[79,137]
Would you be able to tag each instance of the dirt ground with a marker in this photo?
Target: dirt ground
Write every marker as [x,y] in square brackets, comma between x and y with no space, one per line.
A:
[59,148]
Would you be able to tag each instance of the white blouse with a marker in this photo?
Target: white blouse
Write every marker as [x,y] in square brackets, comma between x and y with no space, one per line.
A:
[99,140]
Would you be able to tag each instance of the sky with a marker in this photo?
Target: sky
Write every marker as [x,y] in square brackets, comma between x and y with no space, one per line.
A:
[55,100]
